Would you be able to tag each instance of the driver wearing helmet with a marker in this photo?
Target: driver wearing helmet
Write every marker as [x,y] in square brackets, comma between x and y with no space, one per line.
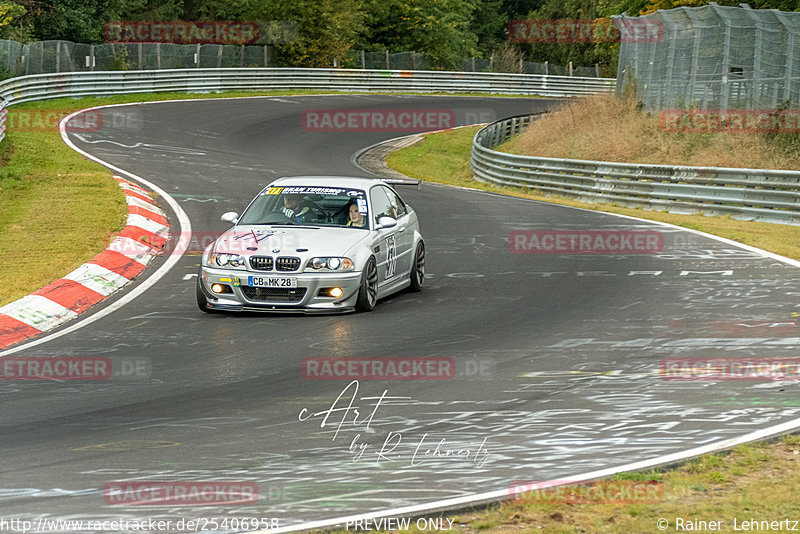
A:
[294,209]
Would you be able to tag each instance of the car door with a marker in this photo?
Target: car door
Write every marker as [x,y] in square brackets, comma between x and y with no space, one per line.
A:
[404,236]
[385,249]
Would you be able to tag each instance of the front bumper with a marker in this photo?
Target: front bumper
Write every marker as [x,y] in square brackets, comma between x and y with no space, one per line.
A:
[305,298]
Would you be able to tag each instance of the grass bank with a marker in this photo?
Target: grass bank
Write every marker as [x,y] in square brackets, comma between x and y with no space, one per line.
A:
[444,158]
[755,481]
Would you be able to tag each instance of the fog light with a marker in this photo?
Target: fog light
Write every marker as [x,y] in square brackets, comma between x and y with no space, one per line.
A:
[336,292]
[217,288]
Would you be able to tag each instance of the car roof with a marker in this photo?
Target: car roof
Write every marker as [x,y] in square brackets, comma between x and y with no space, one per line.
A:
[349,182]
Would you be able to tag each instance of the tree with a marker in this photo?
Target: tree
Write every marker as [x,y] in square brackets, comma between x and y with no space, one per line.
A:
[326,29]
[10,12]
[80,21]
[438,28]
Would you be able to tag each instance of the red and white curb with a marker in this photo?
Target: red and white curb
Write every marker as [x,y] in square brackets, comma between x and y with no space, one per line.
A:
[125,257]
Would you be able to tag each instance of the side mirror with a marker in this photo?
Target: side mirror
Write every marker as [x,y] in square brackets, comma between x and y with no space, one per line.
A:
[387,222]
[230,217]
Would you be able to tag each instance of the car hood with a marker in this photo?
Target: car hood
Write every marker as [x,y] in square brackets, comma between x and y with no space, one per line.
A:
[319,241]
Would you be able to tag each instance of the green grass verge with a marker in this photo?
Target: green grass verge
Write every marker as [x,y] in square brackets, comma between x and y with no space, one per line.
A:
[58,209]
[751,482]
[444,158]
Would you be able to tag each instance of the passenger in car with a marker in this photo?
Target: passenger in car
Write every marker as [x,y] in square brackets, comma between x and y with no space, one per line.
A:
[357,219]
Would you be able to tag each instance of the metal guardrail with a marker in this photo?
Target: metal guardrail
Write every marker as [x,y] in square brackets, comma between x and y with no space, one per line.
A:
[78,84]
[3,113]
[759,194]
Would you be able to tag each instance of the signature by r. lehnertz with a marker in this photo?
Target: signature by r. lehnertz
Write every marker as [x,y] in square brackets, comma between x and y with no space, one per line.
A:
[347,411]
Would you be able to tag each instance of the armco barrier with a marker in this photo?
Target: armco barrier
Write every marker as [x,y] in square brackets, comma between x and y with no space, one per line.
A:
[758,194]
[77,84]
[3,113]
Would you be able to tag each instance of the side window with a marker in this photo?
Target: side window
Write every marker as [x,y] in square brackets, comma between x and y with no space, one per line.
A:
[381,205]
[397,203]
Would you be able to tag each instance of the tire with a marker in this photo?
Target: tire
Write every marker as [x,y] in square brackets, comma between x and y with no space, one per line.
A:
[418,269]
[368,292]
[202,302]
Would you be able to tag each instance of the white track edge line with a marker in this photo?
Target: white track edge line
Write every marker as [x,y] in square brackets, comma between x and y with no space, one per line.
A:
[461,502]
[583,477]
[183,221]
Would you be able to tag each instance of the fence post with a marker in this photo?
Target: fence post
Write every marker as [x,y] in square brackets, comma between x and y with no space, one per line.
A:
[139,52]
[413,60]
[363,61]
[266,56]
[597,70]
[158,56]
[473,63]
[387,60]
[91,58]
[197,56]
[546,68]
[241,57]
[570,68]
[58,57]
[219,56]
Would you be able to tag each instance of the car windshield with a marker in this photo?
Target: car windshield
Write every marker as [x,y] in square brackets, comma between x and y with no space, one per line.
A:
[309,206]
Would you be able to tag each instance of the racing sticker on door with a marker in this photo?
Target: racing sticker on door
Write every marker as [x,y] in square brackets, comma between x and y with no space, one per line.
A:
[391,256]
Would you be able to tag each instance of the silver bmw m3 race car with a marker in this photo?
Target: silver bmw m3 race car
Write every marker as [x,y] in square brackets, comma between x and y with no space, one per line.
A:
[314,244]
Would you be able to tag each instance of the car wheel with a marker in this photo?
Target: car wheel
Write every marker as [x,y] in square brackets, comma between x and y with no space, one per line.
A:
[368,292]
[418,269]
[202,302]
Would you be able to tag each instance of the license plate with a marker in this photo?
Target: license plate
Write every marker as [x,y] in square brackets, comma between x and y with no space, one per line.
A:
[272,281]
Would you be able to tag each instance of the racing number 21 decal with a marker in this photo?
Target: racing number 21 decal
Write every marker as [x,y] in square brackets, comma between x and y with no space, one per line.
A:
[391,256]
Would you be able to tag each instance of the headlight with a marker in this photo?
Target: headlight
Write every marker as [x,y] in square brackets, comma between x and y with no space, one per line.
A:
[233,261]
[330,264]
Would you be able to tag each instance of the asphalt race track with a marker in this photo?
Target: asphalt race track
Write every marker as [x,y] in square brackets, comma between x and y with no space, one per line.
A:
[557,355]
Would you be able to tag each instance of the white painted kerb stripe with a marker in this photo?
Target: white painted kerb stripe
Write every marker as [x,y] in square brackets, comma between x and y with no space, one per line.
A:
[139,203]
[134,219]
[38,311]
[97,278]
[132,249]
